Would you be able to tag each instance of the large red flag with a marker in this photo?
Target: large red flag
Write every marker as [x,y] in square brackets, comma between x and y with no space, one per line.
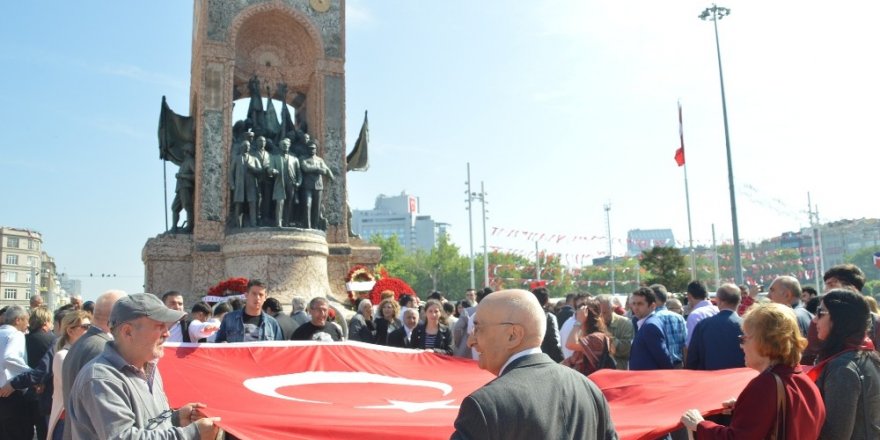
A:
[309,390]
[679,153]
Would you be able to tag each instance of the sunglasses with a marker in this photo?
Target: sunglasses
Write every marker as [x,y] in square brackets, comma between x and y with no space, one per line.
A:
[85,326]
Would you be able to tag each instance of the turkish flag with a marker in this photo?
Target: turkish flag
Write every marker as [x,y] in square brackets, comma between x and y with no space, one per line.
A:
[679,153]
[310,390]
[646,405]
[314,390]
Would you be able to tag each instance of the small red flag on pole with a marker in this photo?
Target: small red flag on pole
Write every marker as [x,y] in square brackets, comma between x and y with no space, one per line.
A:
[679,153]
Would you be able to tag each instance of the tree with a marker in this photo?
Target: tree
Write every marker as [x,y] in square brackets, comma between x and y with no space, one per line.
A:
[666,265]
[864,259]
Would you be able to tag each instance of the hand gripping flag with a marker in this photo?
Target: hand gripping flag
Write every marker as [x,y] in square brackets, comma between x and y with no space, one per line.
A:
[308,390]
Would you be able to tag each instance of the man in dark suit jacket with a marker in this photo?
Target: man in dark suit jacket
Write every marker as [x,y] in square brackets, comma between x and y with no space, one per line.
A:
[551,345]
[88,347]
[508,329]
[402,337]
[649,350]
[715,342]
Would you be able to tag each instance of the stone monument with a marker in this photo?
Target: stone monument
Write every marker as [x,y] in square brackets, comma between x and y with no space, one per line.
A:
[297,48]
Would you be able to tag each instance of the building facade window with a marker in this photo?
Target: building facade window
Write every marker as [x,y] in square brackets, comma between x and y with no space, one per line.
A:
[9,294]
[12,259]
[27,277]
[32,244]
[10,277]
[12,242]
[32,261]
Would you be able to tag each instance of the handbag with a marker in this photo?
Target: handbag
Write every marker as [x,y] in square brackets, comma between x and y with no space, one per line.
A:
[586,362]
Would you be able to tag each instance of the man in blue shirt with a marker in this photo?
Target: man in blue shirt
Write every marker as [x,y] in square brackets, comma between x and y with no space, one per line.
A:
[250,323]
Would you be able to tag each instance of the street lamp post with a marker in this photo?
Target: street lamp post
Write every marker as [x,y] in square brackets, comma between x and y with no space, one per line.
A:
[714,14]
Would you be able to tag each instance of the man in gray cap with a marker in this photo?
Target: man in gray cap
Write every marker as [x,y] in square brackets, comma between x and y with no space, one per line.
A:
[120,393]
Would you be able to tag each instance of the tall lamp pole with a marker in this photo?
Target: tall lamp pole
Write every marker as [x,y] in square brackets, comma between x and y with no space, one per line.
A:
[715,13]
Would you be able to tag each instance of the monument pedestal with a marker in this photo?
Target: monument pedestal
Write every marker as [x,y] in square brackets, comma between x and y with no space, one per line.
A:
[293,262]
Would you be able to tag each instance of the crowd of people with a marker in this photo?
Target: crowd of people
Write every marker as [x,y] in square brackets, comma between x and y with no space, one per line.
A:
[87,370]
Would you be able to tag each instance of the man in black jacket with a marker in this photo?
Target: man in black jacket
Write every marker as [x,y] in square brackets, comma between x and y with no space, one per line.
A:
[551,344]
[508,329]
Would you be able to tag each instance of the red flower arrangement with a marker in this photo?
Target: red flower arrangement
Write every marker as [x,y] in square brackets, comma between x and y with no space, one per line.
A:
[230,287]
[387,282]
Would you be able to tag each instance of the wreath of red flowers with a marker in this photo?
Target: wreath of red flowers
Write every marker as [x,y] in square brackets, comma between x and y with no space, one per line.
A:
[230,287]
[387,282]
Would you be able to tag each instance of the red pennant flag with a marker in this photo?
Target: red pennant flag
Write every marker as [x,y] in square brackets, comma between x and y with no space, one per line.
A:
[679,153]
[312,390]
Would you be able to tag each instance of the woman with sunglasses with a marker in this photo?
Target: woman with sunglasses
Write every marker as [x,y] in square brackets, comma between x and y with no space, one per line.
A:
[781,402]
[74,324]
[848,368]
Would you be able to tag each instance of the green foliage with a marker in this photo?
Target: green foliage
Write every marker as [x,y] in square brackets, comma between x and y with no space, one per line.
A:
[443,268]
[872,287]
[667,266]
[864,258]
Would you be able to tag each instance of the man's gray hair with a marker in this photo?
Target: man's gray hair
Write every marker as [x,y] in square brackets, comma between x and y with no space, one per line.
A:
[606,299]
[318,300]
[13,313]
[298,303]
[363,305]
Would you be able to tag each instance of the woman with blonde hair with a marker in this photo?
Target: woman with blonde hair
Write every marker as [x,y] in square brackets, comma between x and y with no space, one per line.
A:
[387,321]
[74,324]
[781,402]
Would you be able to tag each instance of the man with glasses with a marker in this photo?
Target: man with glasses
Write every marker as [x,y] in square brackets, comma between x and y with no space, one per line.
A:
[120,393]
[558,403]
[318,329]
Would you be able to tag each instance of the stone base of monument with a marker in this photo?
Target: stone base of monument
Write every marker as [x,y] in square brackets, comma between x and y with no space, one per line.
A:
[293,262]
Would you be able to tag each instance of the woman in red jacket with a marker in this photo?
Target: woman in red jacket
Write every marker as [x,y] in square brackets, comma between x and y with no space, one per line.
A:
[781,402]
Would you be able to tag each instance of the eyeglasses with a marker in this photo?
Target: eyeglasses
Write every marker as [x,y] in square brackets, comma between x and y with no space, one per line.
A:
[85,326]
[820,312]
[743,339]
[155,422]
[477,327]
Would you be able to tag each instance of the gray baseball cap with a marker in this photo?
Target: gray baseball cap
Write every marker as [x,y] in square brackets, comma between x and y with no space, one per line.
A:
[131,307]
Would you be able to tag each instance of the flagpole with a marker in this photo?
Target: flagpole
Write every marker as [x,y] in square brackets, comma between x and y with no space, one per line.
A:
[165,191]
[687,197]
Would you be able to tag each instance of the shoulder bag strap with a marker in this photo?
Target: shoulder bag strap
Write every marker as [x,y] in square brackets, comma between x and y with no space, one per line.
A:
[780,409]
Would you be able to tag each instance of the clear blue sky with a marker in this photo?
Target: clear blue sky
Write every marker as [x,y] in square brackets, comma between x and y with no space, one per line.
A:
[559,107]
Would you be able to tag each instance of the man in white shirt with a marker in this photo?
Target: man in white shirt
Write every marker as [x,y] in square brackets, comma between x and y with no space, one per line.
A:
[174,301]
[14,415]
[701,307]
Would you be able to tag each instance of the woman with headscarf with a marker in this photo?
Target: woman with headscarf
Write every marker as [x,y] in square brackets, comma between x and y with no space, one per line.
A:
[781,402]
[848,368]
